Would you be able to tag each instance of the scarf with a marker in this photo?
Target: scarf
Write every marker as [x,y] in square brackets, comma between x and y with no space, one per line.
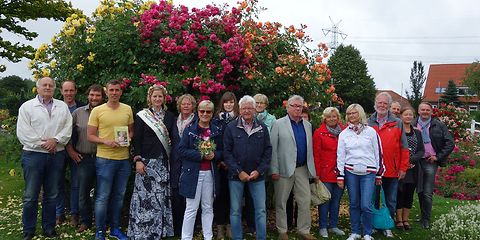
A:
[357,128]
[424,125]
[335,131]
[226,116]
[158,127]
[182,124]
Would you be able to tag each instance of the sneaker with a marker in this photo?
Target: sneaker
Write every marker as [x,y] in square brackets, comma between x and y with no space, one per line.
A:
[367,237]
[354,236]
[99,235]
[74,220]
[282,236]
[323,232]
[388,233]
[118,234]
[337,231]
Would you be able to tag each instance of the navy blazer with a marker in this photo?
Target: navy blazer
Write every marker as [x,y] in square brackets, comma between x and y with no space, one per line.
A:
[191,158]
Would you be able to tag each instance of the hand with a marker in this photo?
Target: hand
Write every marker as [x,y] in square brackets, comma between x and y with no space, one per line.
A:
[222,165]
[401,174]
[209,156]
[432,159]
[253,175]
[412,166]
[378,182]
[275,176]
[112,144]
[140,167]
[243,176]
[316,179]
[341,184]
[74,155]
[50,145]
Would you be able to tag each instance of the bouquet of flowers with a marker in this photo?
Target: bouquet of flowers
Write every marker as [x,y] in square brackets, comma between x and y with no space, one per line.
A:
[206,145]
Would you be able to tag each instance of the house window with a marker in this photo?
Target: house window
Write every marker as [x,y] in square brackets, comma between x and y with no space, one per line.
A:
[434,106]
[440,90]
[472,108]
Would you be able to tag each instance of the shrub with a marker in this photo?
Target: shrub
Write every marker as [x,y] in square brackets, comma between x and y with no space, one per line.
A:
[462,222]
[456,119]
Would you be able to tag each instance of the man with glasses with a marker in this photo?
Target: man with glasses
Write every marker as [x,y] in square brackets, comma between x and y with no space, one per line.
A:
[292,167]
[247,154]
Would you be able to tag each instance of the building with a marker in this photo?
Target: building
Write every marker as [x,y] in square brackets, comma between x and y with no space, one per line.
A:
[396,98]
[437,82]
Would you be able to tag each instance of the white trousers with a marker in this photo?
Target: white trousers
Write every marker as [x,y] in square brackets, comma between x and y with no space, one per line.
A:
[204,195]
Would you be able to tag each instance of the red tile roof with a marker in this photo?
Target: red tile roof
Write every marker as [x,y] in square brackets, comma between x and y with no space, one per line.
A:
[396,97]
[439,75]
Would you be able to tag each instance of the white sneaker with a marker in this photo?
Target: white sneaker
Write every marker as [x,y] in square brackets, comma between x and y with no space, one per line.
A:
[367,237]
[337,231]
[354,236]
[388,233]
[323,232]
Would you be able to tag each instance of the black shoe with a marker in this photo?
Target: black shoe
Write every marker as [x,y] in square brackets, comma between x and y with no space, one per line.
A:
[28,236]
[51,234]
[425,224]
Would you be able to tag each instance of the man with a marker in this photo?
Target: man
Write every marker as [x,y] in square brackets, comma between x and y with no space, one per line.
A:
[112,163]
[68,89]
[247,154]
[82,152]
[395,108]
[394,147]
[438,144]
[292,166]
[44,127]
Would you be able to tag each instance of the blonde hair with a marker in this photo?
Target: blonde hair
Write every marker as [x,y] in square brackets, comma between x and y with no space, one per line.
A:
[261,98]
[328,111]
[206,104]
[186,96]
[361,112]
[153,89]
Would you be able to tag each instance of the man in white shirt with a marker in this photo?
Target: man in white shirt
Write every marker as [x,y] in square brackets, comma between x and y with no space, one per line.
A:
[44,127]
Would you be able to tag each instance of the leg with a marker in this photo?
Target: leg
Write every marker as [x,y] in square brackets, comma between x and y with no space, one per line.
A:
[249,211]
[60,201]
[367,188]
[119,186]
[352,182]
[257,189]
[390,187]
[429,171]
[283,187]
[236,195]
[302,193]
[105,173]
[33,165]
[73,187]
[290,210]
[191,210]
[178,210]
[53,171]
[334,203]
[86,177]
[207,205]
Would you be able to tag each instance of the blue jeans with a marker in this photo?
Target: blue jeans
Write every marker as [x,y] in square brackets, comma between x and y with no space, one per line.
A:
[390,188]
[60,201]
[331,207]
[257,190]
[360,193]
[112,178]
[425,198]
[40,169]
[86,179]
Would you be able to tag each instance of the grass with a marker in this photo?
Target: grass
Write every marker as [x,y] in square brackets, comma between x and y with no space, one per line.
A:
[11,191]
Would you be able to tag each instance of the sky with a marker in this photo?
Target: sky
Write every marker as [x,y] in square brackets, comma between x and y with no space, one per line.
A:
[390,35]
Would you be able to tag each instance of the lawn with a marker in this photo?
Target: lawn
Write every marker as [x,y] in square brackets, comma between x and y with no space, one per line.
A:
[11,188]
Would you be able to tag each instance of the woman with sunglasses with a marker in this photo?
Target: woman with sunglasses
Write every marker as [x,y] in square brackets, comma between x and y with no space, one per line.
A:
[200,150]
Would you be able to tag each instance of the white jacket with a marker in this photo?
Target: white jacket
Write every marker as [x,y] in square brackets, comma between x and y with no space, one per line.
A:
[34,124]
[362,150]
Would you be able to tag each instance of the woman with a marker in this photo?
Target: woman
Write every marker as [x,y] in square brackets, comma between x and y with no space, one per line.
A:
[199,169]
[325,140]
[261,101]
[406,186]
[186,108]
[150,207]
[227,110]
[359,166]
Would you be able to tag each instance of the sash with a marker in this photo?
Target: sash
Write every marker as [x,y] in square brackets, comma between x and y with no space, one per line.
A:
[158,127]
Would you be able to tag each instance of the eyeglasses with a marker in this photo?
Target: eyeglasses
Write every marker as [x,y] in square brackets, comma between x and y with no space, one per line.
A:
[205,111]
[352,113]
[246,109]
[261,103]
[296,106]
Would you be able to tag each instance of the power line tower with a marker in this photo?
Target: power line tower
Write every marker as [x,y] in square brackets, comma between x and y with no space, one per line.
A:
[335,32]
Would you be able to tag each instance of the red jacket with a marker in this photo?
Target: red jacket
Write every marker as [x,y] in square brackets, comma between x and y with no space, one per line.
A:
[394,145]
[325,154]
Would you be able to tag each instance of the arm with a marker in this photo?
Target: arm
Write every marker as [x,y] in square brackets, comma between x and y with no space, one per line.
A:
[64,135]
[25,132]
[448,143]
[274,141]
[404,152]
[187,149]
[341,158]
[137,141]
[377,147]
[266,155]
[420,148]
[317,148]
[229,159]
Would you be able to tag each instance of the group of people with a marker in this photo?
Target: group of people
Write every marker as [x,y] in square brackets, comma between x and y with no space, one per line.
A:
[211,163]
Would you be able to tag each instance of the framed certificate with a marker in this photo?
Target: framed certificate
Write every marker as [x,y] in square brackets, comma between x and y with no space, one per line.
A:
[121,136]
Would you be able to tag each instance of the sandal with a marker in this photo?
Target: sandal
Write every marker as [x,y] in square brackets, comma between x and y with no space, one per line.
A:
[399,225]
[406,225]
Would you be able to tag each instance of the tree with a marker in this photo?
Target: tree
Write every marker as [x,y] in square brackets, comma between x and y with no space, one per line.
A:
[350,76]
[12,12]
[471,77]
[417,79]
[451,94]
[13,92]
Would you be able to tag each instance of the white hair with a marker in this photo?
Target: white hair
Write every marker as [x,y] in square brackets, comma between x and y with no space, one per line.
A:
[247,99]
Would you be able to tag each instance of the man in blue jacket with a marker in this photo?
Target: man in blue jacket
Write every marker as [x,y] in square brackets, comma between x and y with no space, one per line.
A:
[247,154]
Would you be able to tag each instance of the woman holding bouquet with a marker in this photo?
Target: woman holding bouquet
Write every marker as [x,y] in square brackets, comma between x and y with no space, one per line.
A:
[200,150]
[150,207]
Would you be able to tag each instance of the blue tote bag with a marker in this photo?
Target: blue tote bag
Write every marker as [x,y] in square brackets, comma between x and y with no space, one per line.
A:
[381,216]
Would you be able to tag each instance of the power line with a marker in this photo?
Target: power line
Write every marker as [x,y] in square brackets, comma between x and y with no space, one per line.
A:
[414,37]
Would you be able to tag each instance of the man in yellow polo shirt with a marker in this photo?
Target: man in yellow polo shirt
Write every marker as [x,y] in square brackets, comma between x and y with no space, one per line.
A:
[112,164]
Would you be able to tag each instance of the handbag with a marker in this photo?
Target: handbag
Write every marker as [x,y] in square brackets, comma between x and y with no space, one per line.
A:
[320,193]
[381,216]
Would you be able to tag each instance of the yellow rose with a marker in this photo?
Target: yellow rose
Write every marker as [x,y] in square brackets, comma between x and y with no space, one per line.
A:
[74,16]
[91,30]
[34,89]
[76,23]
[88,40]
[80,67]
[128,5]
[45,72]
[53,64]
[91,57]
[70,32]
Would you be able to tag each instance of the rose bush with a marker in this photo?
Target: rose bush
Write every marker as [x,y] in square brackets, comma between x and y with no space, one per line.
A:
[202,51]
[456,119]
